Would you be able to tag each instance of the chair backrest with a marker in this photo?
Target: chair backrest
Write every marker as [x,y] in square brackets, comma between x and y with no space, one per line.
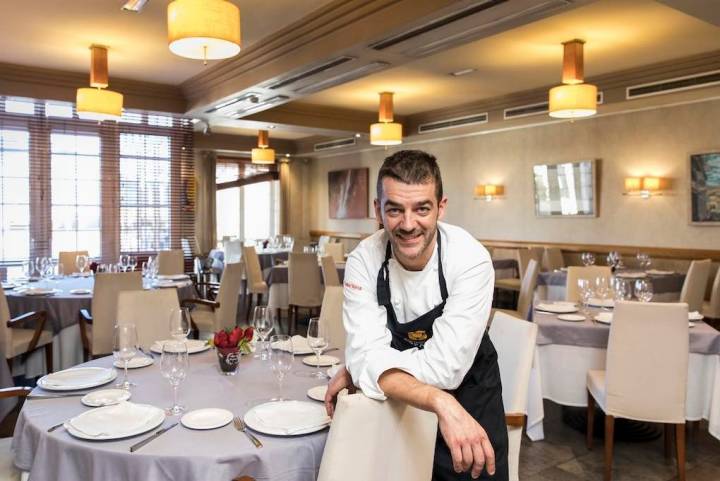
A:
[104,306]
[693,289]
[527,288]
[714,308]
[67,260]
[233,250]
[647,361]
[514,341]
[253,270]
[336,250]
[149,311]
[329,271]
[331,314]
[574,273]
[304,284]
[504,253]
[323,240]
[355,452]
[228,293]
[171,262]
[5,332]
[536,252]
[553,258]
[523,257]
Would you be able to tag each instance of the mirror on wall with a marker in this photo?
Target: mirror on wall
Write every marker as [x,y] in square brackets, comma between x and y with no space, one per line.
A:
[565,189]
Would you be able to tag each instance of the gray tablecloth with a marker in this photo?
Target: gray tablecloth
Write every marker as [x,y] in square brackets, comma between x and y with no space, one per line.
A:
[62,308]
[279,274]
[661,284]
[181,454]
[704,339]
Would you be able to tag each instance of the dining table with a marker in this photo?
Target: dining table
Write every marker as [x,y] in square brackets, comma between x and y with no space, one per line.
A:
[181,454]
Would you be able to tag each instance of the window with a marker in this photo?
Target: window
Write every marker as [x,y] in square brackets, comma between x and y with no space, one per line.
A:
[228,205]
[260,217]
[14,195]
[75,174]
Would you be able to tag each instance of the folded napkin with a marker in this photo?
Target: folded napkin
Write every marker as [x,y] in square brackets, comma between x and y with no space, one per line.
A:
[299,344]
[291,417]
[77,377]
[115,420]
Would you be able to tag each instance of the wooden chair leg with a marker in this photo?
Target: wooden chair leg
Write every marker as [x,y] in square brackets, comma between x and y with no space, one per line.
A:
[249,305]
[680,447]
[49,357]
[669,428]
[609,438]
[590,419]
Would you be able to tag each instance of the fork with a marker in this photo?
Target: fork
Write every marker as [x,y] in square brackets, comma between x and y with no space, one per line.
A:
[240,426]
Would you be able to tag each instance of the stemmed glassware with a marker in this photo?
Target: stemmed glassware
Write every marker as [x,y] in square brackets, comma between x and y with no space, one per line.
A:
[281,360]
[643,290]
[587,258]
[123,262]
[602,290]
[81,262]
[125,346]
[180,324]
[29,269]
[132,263]
[644,260]
[586,293]
[318,340]
[622,290]
[174,368]
[263,323]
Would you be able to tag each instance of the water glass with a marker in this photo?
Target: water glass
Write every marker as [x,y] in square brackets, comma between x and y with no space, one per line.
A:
[643,260]
[263,323]
[174,368]
[132,263]
[281,360]
[123,263]
[29,269]
[318,339]
[621,289]
[643,290]
[602,290]
[180,324]
[586,293]
[81,262]
[588,258]
[125,346]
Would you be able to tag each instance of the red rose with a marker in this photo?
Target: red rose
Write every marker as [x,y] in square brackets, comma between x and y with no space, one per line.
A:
[216,339]
[222,340]
[249,333]
[235,336]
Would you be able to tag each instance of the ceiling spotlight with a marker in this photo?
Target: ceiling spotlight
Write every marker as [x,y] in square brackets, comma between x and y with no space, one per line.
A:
[134,5]
[271,126]
[358,135]
[462,72]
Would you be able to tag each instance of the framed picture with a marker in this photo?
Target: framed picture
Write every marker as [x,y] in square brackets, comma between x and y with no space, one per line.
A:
[566,189]
[348,193]
[705,188]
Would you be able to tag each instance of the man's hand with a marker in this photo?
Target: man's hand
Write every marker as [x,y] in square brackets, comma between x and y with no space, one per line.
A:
[468,442]
[341,380]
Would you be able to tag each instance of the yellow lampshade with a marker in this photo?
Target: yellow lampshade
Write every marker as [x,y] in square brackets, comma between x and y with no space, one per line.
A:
[573,101]
[652,183]
[633,184]
[263,156]
[203,29]
[99,104]
[386,133]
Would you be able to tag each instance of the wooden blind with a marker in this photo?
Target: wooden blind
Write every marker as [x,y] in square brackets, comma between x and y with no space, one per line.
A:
[237,172]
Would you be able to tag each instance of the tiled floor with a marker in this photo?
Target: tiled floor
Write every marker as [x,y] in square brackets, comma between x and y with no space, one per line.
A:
[562,456]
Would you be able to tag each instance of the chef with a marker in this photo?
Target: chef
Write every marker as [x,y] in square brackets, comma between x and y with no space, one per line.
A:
[417,301]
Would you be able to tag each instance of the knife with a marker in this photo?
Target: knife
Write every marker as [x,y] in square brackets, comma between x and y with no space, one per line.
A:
[142,443]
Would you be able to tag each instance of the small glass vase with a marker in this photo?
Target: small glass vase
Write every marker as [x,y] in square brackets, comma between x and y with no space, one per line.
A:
[229,359]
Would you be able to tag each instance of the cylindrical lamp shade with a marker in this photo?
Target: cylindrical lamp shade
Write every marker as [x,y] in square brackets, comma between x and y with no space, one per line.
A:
[573,101]
[389,133]
[633,184]
[203,29]
[263,156]
[98,104]
[652,183]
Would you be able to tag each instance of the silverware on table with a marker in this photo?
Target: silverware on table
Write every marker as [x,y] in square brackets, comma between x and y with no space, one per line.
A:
[157,433]
[331,349]
[240,426]
[55,396]
[57,426]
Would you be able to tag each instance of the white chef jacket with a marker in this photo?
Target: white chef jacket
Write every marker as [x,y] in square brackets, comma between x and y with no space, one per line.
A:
[457,333]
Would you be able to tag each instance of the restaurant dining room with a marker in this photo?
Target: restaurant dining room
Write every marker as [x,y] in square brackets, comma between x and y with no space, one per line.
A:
[351,240]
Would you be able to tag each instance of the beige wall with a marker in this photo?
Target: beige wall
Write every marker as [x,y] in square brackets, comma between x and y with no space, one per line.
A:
[651,142]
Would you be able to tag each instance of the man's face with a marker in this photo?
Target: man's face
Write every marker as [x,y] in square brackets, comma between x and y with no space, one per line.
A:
[409,213]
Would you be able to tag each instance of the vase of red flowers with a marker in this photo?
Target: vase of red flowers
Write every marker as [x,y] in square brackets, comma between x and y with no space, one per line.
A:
[230,345]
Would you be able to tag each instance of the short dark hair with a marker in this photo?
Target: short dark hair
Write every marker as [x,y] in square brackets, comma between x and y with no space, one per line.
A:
[411,167]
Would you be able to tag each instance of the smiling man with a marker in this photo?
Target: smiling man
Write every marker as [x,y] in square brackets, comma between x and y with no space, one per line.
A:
[417,300]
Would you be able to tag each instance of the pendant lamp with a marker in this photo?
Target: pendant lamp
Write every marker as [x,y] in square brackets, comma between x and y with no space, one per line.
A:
[574,99]
[98,103]
[203,29]
[263,154]
[386,132]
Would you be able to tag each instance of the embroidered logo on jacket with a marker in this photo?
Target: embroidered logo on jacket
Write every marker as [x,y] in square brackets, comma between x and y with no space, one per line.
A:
[417,335]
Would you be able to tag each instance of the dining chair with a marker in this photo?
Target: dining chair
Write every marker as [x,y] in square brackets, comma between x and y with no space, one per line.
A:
[331,314]
[514,341]
[17,340]
[149,311]
[96,326]
[553,259]
[711,309]
[537,252]
[209,316]
[304,286]
[329,271]
[523,257]
[8,471]
[253,273]
[695,284]
[354,451]
[336,250]
[171,262]
[643,381]
[527,291]
[67,260]
[323,241]
[504,253]
[575,273]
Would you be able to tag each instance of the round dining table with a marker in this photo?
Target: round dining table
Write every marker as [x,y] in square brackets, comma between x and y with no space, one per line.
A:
[180,454]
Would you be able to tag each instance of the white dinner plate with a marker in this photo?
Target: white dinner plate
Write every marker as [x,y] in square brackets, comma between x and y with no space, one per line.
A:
[105,397]
[630,275]
[193,346]
[209,418]
[135,363]
[333,370]
[317,393]
[595,302]
[695,316]
[118,421]
[324,361]
[604,317]
[9,285]
[557,308]
[173,277]
[658,272]
[287,418]
[300,346]
[77,378]
[79,292]
[571,317]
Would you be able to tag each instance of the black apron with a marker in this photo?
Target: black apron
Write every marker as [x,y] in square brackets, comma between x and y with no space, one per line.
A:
[480,392]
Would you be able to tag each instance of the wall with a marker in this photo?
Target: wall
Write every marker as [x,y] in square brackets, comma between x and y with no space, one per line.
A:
[650,142]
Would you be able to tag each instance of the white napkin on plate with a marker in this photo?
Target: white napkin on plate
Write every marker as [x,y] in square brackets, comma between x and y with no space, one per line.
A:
[299,344]
[115,420]
[290,417]
[604,317]
[77,377]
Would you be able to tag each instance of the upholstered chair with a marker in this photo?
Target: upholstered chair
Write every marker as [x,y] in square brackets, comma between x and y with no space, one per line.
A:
[304,285]
[693,289]
[575,273]
[331,314]
[256,285]
[149,311]
[208,315]
[171,262]
[17,339]
[329,271]
[67,260]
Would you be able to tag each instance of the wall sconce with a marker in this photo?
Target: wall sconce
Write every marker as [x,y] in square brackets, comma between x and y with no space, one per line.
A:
[489,191]
[645,187]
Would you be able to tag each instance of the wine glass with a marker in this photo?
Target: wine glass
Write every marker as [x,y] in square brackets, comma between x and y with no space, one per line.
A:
[132,263]
[123,262]
[588,258]
[643,290]
[318,339]
[621,289]
[643,260]
[124,349]
[281,360]
[263,323]
[602,290]
[174,368]
[180,324]
[28,268]
[81,262]
[586,292]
